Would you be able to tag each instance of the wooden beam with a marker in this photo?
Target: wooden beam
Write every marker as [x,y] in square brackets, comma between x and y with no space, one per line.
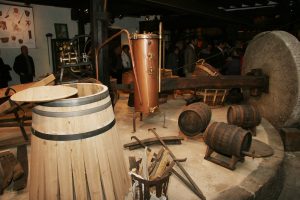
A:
[221,82]
[99,31]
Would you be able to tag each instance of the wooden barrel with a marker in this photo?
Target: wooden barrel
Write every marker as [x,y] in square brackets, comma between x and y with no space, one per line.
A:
[194,119]
[245,116]
[227,139]
[205,69]
[75,148]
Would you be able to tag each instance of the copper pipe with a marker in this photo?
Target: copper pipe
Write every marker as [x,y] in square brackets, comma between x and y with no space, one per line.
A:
[100,46]
[159,55]
[163,52]
[105,5]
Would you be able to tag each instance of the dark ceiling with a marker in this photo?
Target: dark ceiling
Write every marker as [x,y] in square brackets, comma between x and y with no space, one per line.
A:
[269,14]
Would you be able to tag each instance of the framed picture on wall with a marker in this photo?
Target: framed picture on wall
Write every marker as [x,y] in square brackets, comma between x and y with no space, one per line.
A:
[16,26]
[61,31]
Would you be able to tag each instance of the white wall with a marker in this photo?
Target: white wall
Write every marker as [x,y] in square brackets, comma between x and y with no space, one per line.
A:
[44,19]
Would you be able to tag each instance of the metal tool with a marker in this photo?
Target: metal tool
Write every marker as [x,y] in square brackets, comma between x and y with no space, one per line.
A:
[195,189]
[148,148]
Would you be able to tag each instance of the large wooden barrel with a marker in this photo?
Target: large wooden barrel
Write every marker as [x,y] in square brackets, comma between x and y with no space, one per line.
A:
[227,139]
[245,116]
[194,119]
[75,148]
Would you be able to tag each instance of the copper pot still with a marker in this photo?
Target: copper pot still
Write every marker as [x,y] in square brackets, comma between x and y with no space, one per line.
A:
[145,55]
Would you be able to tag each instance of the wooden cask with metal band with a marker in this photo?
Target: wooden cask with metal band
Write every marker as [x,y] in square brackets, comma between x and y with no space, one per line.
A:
[227,139]
[245,116]
[205,69]
[145,51]
[194,119]
[75,148]
[212,97]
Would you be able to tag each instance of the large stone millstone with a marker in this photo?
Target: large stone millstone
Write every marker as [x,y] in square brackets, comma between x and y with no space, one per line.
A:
[277,53]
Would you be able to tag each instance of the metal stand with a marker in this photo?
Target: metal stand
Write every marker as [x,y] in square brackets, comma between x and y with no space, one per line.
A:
[141,118]
[133,120]
[62,69]
[229,165]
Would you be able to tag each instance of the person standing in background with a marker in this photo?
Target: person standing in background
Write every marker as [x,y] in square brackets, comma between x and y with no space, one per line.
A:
[181,46]
[24,66]
[125,55]
[218,56]
[173,60]
[190,57]
[4,74]
[116,66]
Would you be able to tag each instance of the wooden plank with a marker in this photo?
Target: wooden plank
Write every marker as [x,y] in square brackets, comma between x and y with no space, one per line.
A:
[92,169]
[121,159]
[221,82]
[51,174]
[106,176]
[17,88]
[7,106]
[78,170]
[1,178]
[12,137]
[34,168]
[161,167]
[41,170]
[20,87]
[65,178]
[114,165]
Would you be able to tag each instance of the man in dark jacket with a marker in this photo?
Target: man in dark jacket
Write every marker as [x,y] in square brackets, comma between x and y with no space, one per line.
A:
[24,66]
[4,74]
[218,56]
[190,57]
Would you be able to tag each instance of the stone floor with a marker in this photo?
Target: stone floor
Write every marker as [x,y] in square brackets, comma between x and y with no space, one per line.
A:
[291,186]
[211,179]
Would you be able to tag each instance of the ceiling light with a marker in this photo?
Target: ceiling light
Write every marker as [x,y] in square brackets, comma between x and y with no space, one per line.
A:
[249,8]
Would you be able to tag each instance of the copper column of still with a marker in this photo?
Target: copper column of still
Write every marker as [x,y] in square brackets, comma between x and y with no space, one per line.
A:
[145,55]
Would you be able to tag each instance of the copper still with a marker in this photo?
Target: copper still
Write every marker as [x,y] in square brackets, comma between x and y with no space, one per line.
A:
[145,55]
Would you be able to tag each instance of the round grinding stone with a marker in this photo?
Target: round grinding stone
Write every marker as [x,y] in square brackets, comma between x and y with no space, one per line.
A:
[277,53]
